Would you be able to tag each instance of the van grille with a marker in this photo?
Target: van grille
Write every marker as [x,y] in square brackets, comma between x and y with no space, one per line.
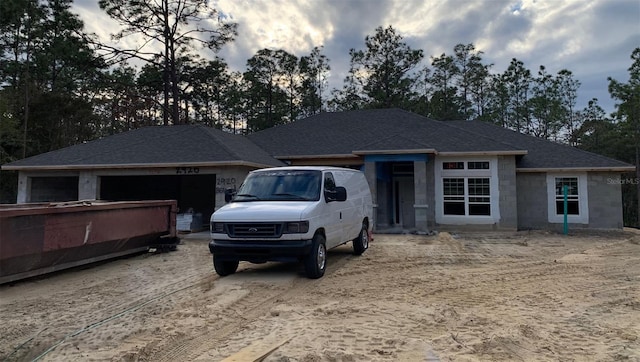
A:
[254,230]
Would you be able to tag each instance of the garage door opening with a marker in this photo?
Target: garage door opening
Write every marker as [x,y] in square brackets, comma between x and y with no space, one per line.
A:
[193,192]
[54,189]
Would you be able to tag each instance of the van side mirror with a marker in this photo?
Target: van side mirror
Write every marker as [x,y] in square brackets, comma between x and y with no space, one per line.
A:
[229,194]
[340,194]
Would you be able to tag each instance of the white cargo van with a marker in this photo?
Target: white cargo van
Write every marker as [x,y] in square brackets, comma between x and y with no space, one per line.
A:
[292,214]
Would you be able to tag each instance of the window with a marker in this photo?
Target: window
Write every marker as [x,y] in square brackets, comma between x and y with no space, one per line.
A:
[573,197]
[280,185]
[471,165]
[577,198]
[484,165]
[454,200]
[475,201]
[479,196]
[453,165]
[467,190]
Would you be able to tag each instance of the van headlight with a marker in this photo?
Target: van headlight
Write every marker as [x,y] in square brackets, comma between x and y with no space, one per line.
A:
[217,227]
[297,227]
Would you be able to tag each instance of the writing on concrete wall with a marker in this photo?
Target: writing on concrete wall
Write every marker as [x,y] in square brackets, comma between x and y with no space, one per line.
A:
[225,183]
[187,170]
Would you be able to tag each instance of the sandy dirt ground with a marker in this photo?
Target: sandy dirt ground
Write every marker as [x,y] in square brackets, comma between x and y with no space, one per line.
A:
[526,296]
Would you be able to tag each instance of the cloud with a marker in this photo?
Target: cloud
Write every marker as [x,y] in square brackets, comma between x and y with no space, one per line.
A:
[593,39]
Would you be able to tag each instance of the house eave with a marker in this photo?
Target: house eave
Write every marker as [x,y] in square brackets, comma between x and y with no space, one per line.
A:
[576,169]
[133,166]
[484,153]
[301,157]
[394,152]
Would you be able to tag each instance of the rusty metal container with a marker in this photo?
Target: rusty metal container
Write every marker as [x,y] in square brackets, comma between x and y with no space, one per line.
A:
[41,238]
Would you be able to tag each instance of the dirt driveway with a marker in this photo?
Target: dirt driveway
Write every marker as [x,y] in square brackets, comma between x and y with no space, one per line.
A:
[517,296]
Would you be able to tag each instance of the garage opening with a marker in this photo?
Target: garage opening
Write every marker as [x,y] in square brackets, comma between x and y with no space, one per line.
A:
[193,192]
[54,189]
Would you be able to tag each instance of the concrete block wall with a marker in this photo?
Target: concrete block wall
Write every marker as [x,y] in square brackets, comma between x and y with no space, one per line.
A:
[508,192]
[228,178]
[605,200]
[88,186]
[421,205]
[532,200]
[430,182]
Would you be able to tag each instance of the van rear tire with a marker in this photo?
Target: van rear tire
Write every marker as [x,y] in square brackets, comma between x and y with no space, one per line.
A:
[225,267]
[316,262]
[361,243]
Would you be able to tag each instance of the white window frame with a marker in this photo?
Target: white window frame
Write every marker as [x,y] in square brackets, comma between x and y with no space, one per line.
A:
[494,197]
[583,197]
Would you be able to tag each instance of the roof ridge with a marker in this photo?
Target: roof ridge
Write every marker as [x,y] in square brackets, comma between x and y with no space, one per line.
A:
[214,132]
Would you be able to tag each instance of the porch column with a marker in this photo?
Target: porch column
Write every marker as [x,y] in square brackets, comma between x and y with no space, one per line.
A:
[421,185]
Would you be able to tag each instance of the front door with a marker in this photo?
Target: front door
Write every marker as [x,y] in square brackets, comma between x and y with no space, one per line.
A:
[404,199]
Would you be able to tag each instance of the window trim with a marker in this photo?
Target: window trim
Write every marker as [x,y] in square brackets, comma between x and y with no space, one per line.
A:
[583,197]
[494,191]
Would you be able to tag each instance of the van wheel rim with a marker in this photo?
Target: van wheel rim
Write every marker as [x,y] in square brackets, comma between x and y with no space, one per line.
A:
[322,256]
[365,239]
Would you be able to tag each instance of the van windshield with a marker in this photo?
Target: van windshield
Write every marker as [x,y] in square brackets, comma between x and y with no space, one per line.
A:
[280,185]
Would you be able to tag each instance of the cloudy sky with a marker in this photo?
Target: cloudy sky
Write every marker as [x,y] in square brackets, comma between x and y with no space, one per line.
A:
[592,38]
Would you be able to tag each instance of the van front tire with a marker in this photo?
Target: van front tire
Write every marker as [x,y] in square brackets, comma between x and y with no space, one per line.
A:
[361,243]
[225,267]
[316,262]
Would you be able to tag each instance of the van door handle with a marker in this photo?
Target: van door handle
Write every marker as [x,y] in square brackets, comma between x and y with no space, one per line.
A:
[340,215]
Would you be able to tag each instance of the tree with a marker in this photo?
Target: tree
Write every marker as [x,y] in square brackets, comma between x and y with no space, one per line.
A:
[47,70]
[445,103]
[518,83]
[596,132]
[498,102]
[269,98]
[384,74]
[314,69]
[472,80]
[168,29]
[628,115]
[546,109]
[209,82]
[568,94]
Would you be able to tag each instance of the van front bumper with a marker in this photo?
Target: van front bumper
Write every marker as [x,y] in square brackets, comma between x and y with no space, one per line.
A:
[260,250]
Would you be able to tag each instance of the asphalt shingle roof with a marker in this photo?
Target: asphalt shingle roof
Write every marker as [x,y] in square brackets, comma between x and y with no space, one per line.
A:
[340,133]
[541,153]
[395,129]
[370,130]
[157,145]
